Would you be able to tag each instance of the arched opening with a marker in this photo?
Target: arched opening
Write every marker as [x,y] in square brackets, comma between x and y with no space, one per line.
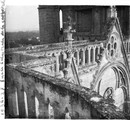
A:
[86,56]
[80,57]
[61,36]
[16,97]
[123,77]
[115,45]
[37,107]
[96,53]
[61,19]
[91,55]
[26,104]
[113,83]
[61,61]
[75,56]
[112,53]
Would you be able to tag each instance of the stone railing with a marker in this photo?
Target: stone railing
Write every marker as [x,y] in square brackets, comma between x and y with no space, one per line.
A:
[85,53]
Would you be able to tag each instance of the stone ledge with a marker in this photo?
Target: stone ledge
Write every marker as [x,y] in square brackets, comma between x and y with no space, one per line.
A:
[35,62]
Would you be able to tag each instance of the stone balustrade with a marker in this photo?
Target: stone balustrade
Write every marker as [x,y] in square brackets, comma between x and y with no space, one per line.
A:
[84,52]
[85,55]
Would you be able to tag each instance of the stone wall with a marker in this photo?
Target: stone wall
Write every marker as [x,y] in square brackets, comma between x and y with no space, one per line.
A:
[90,20]
[27,93]
[97,20]
[59,98]
[49,24]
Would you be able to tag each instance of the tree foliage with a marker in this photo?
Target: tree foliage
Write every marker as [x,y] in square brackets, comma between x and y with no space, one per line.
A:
[18,39]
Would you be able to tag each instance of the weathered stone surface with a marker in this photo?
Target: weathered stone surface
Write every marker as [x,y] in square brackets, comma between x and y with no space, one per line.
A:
[103,107]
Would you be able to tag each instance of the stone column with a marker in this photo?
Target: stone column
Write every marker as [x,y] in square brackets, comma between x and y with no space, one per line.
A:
[129,47]
[21,102]
[57,64]
[83,63]
[31,103]
[126,46]
[98,49]
[64,58]
[77,58]
[94,54]
[89,48]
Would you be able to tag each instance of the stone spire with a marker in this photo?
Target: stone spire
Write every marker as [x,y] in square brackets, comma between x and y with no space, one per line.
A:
[112,12]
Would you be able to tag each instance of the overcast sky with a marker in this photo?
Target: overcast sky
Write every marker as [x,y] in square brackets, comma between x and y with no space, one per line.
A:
[22,18]
[22,15]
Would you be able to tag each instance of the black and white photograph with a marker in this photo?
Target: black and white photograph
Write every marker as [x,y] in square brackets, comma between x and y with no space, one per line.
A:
[67,61]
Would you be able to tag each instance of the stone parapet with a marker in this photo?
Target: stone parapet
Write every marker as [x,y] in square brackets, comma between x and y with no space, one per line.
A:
[99,107]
